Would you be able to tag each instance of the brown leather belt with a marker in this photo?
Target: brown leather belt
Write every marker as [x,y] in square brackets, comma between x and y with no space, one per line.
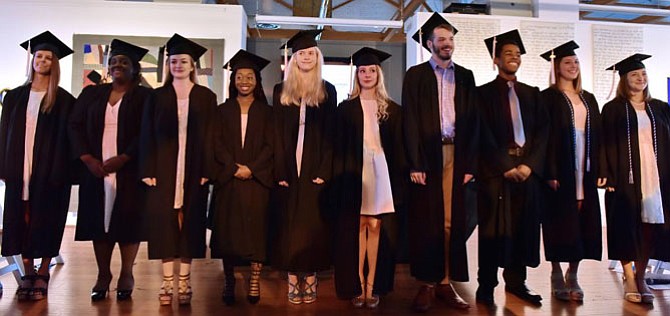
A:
[516,152]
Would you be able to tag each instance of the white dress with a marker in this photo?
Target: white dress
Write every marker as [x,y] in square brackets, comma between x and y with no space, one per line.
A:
[244,120]
[109,136]
[301,136]
[652,204]
[376,196]
[182,117]
[580,147]
[32,114]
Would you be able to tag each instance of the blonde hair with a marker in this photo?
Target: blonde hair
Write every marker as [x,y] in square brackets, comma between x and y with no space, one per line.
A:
[168,75]
[380,94]
[576,83]
[299,85]
[52,89]
[623,89]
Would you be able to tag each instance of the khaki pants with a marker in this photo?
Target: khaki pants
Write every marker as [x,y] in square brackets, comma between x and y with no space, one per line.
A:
[447,186]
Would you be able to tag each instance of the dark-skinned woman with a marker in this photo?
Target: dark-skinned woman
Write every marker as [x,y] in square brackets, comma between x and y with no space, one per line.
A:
[104,130]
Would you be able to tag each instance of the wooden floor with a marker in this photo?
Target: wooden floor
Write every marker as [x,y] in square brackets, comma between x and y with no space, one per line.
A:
[71,283]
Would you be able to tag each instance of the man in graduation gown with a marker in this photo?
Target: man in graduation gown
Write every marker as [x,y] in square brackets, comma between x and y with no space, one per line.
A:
[514,133]
[439,95]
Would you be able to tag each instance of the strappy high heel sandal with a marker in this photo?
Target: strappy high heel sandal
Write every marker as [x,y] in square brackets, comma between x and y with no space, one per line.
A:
[185,292]
[558,288]
[229,287]
[40,293]
[294,294]
[23,292]
[165,294]
[575,291]
[628,295]
[309,292]
[372,300]
[359,301]
[254,294]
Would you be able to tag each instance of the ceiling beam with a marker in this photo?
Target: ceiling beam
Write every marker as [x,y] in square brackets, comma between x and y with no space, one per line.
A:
[284,4]
[329,34]
[407,11]
[342,4]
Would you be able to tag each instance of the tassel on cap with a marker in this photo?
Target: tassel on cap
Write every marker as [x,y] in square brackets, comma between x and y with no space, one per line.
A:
[421,44]
[614,70]
[285,60]
[226,82]
[351,75]
[493,52]
[28,66]
[552,72]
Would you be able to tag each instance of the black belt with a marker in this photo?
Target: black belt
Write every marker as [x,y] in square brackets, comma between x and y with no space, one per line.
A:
[447,140]
[516,152]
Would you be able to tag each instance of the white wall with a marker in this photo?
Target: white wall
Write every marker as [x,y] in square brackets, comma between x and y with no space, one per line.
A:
[654,43]
[20,20]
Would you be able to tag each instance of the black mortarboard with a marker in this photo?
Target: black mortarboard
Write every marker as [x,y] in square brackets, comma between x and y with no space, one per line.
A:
[244,59]
[565,49]
[94,76]
[135,53]
[427,28]
[369,56]
[47,41]
[178,44]
[497,42]
[301,40]
[633,62]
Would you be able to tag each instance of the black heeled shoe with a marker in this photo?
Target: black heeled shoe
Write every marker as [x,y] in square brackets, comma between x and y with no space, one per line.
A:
[123,295]
[98,295]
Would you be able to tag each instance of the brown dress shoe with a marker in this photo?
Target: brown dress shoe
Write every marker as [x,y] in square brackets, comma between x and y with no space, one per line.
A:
[423,299]
[447,293]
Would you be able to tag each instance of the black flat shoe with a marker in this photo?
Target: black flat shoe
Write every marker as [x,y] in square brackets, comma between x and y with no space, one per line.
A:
[98,295]
[525,294]
[123,295]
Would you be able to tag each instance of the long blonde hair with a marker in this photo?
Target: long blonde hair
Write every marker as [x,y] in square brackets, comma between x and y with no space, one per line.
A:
[168,75]
[380,94]
[52,89]
[299,85]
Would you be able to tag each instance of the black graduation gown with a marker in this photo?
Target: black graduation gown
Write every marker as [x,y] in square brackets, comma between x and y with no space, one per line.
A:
[423,140]
[570,234]
[624,205]
[86,127]
[509,213]
[240,219]
[50,182]
[159,147]
[302,242]
[347,179]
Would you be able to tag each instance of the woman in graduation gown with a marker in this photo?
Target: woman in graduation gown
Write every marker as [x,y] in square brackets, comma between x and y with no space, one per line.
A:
[571,224]
[35,164]
[304,109]
[368,172]
[243,160]
[636,130]
[104,131]
[175,164]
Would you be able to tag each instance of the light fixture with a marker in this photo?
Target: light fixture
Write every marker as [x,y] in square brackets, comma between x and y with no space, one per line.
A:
[301,20]
[624,9]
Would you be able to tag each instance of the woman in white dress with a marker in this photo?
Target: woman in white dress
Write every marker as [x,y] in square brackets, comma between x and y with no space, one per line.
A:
[368,177]
[35,164]
[636,130]
[104,132]
[175,165]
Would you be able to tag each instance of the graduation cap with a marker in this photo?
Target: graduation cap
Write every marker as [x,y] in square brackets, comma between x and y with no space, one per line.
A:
[301,40]
[135,53]
[563,50]
[630,63]
[47,41]
[423,34]
[369,56]
[178,44]
[244,59]
[94,76]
